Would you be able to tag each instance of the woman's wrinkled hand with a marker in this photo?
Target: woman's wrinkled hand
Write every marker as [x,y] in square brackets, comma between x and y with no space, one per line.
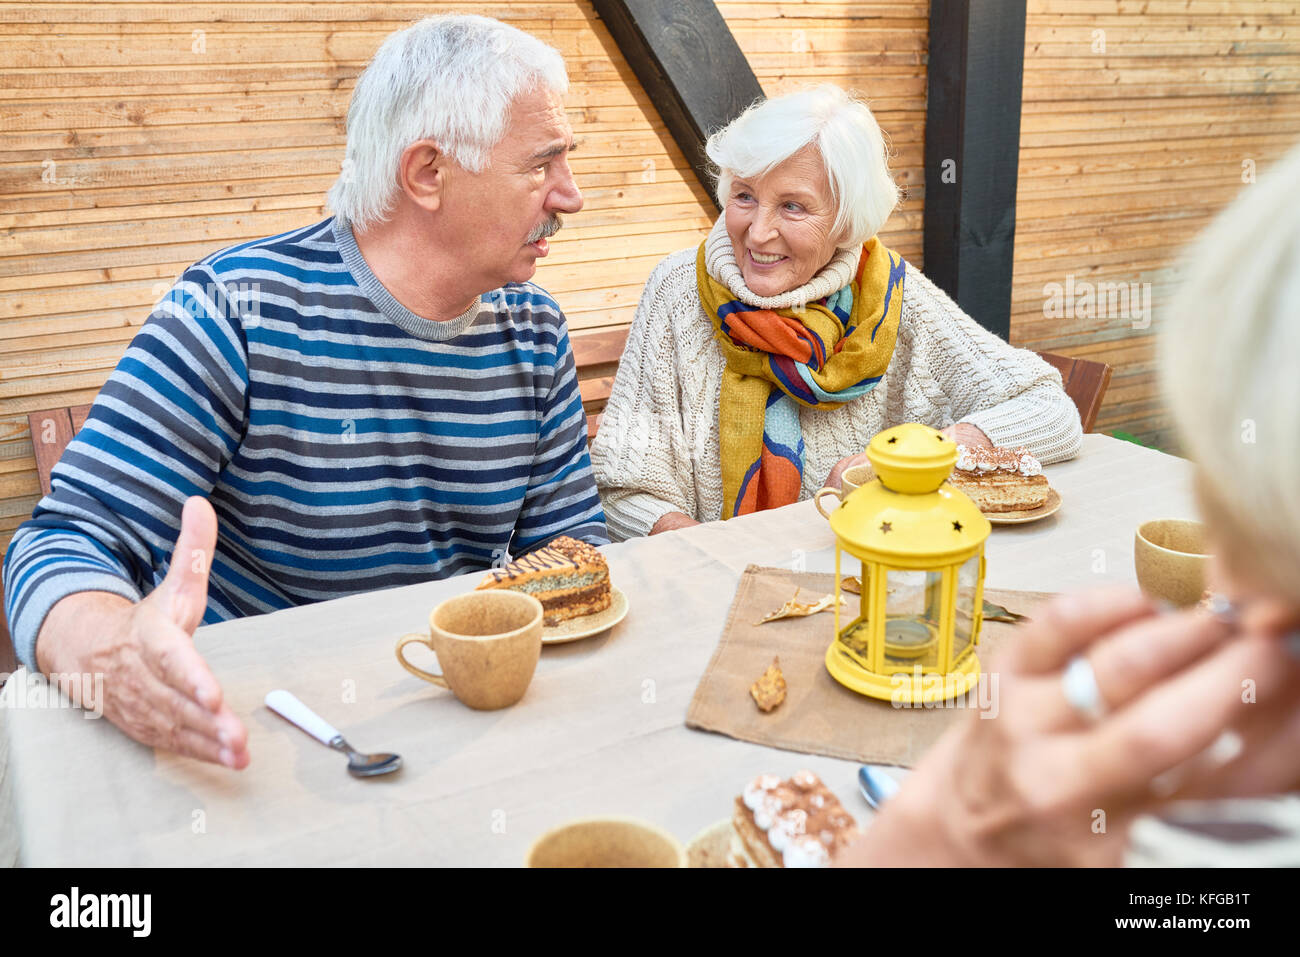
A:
[671,521]
[963,433]
[836,477]
[1032,781]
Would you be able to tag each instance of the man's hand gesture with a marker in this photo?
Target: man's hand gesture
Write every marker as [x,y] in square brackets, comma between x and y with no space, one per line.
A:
[157,688]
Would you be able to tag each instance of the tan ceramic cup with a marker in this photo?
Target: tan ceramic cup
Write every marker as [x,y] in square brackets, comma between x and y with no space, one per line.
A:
[1171,560]
[487,643]
[606,842]
[853,478]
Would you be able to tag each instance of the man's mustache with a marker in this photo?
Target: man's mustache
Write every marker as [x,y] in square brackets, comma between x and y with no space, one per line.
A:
[545,229]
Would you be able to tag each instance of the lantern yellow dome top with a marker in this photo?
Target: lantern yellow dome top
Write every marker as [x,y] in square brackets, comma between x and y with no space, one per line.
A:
[909,515]
[912,457]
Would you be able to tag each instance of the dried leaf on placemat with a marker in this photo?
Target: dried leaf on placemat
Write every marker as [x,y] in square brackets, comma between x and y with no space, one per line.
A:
[851,584]
[769,689]
[797,609]
[994,612]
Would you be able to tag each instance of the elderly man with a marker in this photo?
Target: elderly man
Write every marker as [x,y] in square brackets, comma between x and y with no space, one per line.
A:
[372,401]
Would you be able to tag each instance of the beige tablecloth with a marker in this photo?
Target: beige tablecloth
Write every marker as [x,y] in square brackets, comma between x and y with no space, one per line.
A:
[601,730]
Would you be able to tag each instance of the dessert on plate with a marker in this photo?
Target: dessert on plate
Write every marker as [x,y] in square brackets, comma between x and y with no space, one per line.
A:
[569,577]
[999,479]
[797,822]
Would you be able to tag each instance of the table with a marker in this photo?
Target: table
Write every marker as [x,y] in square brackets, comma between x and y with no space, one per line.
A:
[600,731]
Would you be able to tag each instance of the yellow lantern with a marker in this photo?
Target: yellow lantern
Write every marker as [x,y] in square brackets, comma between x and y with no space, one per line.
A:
[920,543]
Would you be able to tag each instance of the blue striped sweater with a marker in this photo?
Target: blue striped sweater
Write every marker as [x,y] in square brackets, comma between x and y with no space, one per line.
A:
[345,443]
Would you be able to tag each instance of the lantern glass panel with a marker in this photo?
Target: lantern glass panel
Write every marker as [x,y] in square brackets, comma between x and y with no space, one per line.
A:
[964,626]
[913,610]
[856,633]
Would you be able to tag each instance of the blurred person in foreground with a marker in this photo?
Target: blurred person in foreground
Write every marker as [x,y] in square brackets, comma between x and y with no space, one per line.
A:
[1109,704]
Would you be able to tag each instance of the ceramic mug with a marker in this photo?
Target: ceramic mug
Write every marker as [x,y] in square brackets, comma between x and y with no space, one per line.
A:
[487,643]
[853,479]
[1171,560]
[606,842]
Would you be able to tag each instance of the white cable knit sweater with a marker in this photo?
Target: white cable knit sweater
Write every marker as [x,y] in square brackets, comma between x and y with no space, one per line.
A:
[657,447]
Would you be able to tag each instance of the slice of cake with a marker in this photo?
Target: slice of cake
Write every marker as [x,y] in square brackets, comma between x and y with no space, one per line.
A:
[569,577]
[792,823]
[1000,480]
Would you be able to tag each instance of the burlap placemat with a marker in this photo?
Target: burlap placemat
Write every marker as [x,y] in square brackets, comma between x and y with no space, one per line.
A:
[819,715]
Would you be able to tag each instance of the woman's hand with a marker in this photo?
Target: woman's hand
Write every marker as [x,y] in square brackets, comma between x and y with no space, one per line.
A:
[1034,782]
[670,521]
[963,433]
[836,478]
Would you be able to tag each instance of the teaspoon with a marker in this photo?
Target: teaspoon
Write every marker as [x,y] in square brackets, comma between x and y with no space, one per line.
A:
[360,765]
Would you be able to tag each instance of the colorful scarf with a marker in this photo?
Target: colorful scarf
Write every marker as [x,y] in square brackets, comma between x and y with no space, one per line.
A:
[820,356]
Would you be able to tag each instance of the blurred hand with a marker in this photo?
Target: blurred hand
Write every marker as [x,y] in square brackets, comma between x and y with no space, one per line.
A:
[156,686]
[1041,784]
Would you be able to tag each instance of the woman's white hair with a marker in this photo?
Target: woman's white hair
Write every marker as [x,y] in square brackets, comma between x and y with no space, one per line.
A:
[1228,354]
[842,128]
[451,79]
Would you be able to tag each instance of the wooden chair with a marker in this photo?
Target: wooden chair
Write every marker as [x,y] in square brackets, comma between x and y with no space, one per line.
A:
[596,355]
[52,430]
[1085,382]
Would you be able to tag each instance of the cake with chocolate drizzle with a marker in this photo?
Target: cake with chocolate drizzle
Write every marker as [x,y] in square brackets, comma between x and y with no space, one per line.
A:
[793,823]
[569,577]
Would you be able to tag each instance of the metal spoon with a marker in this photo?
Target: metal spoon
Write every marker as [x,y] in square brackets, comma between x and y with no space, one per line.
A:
[876,786]
[359,765]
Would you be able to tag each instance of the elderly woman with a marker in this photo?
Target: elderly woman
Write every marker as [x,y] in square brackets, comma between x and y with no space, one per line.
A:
[761,364]
[1109,709]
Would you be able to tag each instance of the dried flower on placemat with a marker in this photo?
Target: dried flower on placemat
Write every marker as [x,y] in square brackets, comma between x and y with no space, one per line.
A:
[993,612]
[797,609]
[769,689]
[850,583]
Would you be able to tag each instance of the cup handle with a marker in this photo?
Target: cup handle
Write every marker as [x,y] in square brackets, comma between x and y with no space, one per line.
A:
[426,675]
[817,499]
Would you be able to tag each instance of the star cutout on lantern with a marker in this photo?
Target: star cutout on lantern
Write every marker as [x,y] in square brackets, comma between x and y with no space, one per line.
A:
[956,526]
[893,439]
[886,526]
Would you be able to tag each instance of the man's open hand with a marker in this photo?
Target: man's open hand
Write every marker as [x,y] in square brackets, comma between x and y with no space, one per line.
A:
[157,688]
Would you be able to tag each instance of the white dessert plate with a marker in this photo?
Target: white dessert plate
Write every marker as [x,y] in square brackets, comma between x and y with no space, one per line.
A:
[711,847]
[1029,514]
[588,625]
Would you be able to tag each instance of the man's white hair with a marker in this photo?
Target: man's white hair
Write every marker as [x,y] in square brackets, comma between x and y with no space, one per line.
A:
[846,134]
[451,79]
[1228,351]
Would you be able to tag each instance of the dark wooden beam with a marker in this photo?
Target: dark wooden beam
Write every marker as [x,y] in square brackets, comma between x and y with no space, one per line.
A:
[689,65]
[972,152]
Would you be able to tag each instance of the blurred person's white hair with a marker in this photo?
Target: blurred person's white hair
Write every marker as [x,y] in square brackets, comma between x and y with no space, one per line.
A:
[843,130]
[451,79]
[1228,353]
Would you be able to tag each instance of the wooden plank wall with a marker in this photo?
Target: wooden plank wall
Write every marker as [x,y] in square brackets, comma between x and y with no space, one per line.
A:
[1139,120]
[136,138]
